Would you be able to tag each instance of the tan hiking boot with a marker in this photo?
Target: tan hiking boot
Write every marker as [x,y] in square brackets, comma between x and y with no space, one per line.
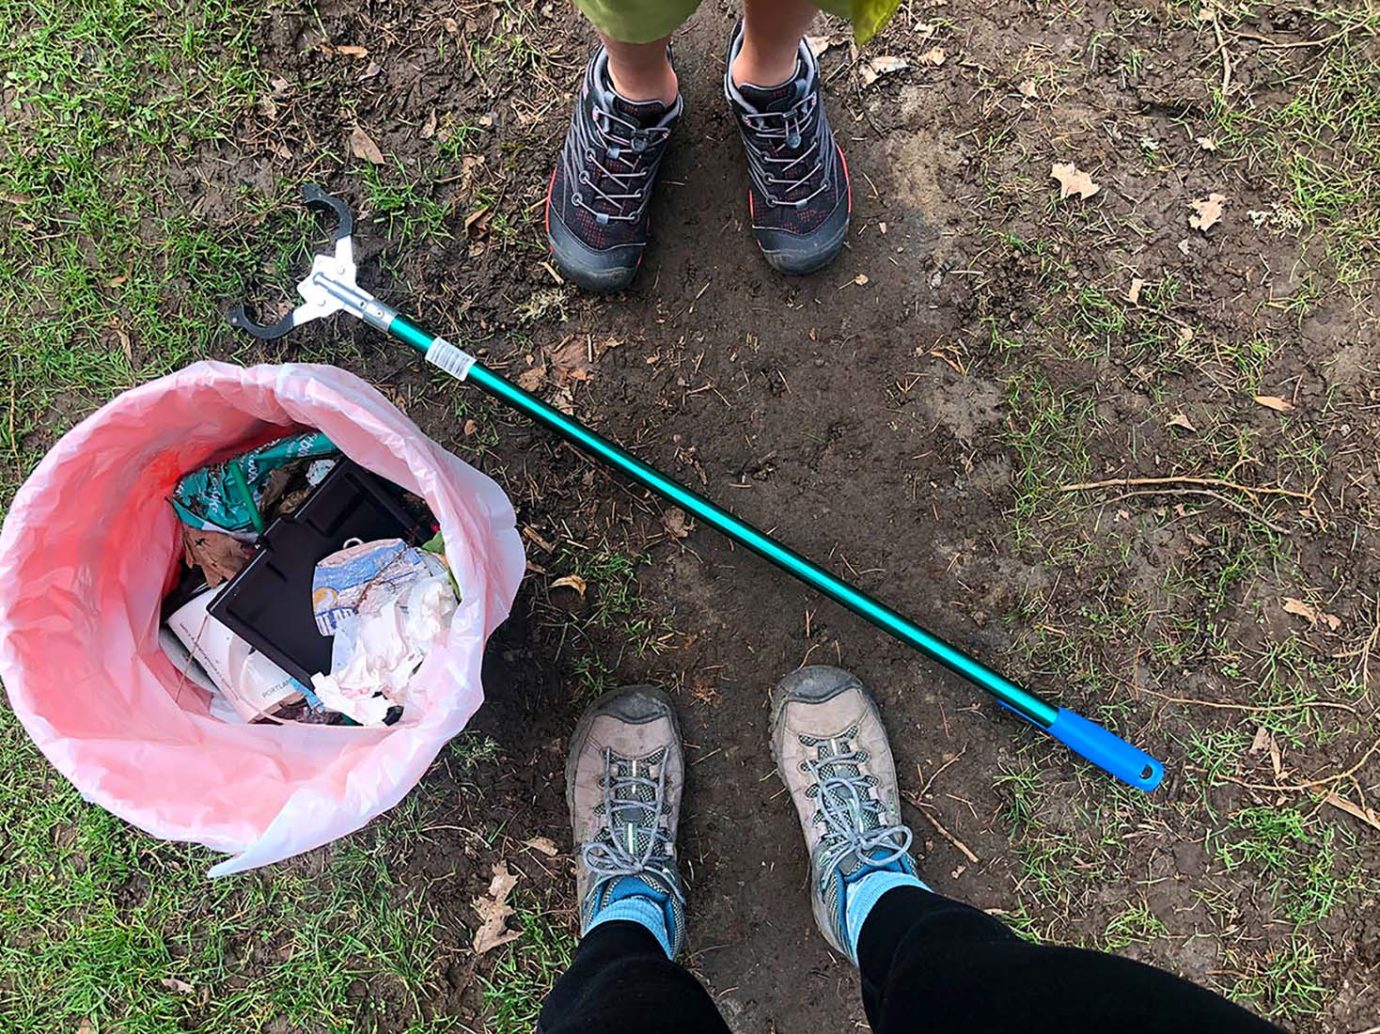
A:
[833,755]
[623,784]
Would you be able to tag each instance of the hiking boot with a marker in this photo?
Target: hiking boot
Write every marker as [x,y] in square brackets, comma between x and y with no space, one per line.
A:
[623,783]
[597,216]
[832,753]
[798,196]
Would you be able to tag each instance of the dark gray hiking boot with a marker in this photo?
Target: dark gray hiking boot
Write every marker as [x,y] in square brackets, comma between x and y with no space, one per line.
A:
[833,755]
[623,783]
[798,196]
[597,219]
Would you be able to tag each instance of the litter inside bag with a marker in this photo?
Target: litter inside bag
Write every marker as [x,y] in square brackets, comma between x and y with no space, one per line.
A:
[91,547]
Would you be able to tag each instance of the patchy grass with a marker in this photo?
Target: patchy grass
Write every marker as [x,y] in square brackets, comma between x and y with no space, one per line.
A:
[101,923]
[524,974]
[106,276]
[1321,145]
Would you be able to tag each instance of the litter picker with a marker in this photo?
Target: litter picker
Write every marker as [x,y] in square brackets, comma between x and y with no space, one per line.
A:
[330,287]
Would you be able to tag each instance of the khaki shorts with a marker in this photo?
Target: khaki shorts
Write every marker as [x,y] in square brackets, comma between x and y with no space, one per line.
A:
[642,21]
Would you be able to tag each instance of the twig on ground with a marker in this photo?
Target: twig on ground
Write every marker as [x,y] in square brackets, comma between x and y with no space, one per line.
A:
[963,848]
[1313,785]
[1365,650]
[1227,501]
[1216,23]
[937,771]
[1211,482]
[1305,704]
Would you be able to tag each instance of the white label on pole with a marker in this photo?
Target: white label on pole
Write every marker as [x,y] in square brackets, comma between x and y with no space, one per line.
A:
[455,361]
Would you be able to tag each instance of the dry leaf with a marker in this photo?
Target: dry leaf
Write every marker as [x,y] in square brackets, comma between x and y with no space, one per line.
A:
[351,50]
[1133,292]
[1310,613]
[1369,816]
[570,360]
[362,146]
[1261,741]
[268,107]
[885,64]
[1027,89]
[1207,143]
[673,520]
[1185,335]
[86,1026]
[180,986]
[1179,420]
[861,280]
[532,378]
[451,26]
[374,69]
[429,126]
[544,845]
[819,44]
[1208,211]
[934,56]
[494,911]
[1072,181]
[1274,402]
[571,581]
[219,556]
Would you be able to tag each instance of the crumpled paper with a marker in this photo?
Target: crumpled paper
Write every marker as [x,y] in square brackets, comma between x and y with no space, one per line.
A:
[376,654]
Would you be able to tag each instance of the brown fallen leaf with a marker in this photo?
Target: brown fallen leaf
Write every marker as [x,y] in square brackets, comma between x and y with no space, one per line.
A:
[934,56]
[1133,292]
[571,581]
[219,556]
[494,911]
[1207,212]
[1369,816]
[1263,736]
[543,845]
[1313,615]
[1072,181]
[819,44]
[1207,143]
[1180,420]
[532,378]
[1027,89]
[884,64]
[428,129]
[85,1026]
[1274,402]
[352,50]
[369,73]
[362,146]
[674,521]
[570,360]
[180,986]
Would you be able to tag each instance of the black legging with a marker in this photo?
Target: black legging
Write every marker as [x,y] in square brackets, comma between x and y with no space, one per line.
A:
[928,964]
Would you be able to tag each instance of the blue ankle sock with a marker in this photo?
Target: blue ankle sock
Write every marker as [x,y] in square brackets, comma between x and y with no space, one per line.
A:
[864,894]
[632,901]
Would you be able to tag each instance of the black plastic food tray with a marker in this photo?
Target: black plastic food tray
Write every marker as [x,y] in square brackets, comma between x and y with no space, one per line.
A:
[269,603]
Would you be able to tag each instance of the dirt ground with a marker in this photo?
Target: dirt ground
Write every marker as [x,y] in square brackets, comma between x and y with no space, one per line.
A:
[913,417]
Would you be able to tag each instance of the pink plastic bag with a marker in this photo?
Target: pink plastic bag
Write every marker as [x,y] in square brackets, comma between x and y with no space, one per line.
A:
[91,545]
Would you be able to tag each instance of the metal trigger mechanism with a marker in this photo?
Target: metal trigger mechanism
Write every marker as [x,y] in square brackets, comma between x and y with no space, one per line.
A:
[330,287]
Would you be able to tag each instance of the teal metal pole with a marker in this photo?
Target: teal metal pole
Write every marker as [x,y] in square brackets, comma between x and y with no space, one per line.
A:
[1091,740]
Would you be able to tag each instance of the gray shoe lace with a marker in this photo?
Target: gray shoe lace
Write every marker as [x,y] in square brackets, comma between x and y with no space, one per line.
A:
[632,840]
[852,817]
[624,154]
[776,162]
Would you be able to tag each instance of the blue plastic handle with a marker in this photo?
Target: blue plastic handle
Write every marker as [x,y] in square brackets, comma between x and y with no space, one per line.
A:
[1106,750]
